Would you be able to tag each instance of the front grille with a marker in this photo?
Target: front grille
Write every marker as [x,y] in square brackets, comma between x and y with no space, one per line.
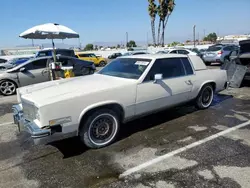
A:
[29,111]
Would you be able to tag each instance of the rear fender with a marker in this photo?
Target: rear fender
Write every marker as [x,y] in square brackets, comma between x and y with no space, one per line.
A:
[207,82]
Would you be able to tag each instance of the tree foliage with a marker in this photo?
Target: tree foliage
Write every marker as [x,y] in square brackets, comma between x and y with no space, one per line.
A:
[152,10]
[212,37]
[89,47]
[131,44]
[164,9]
[175,43]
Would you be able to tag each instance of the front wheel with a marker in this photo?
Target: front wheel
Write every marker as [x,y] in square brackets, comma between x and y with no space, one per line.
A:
[205,97]
[100,128]
[7,88]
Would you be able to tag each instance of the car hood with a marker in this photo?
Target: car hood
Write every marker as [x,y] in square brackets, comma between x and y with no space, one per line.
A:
[51,92]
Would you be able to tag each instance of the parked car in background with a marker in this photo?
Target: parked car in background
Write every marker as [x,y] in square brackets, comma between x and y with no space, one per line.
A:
[127,88]
[181,51]
[49,52]
[12,63]
[162,52]
[127,54]
[217,53]
[98,61]
[114,55]
[2,60]
[138,53]
[37,70]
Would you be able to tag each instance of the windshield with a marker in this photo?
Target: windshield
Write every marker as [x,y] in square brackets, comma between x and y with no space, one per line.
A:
[131,68]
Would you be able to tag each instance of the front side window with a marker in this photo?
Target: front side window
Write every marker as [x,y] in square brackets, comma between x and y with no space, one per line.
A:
[92,55]
[39,64]
[169,68]
[131,68]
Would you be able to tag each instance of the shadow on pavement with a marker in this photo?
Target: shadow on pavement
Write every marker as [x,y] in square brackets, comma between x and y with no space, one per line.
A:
[70,147]
[220,98]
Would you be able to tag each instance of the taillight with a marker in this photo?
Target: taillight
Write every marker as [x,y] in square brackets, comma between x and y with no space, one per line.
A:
[220,52]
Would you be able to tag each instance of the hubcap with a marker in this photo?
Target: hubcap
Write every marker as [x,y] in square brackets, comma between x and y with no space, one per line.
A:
[103,129]
[7,88]
[207,96]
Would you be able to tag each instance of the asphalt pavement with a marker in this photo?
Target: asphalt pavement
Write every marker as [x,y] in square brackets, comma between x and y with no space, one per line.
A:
[181,147]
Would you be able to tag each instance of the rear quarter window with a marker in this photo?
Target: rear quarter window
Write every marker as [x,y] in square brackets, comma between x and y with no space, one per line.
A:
[187,66]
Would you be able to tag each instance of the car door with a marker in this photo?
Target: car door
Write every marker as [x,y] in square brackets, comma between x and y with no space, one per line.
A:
[35,72]
[173,89]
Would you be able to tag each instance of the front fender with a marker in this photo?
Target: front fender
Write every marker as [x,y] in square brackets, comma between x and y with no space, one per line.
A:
[99,104]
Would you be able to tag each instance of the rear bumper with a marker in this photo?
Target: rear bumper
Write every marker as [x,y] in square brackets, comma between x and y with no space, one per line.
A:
[212,59]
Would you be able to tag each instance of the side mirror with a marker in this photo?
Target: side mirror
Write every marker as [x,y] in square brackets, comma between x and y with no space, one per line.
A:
[157,77]
[22,69]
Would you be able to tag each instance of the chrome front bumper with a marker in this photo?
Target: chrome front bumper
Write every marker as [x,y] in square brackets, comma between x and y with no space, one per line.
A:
[24,125]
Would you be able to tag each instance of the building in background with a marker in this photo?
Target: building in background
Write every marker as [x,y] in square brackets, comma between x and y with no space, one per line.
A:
[232,39]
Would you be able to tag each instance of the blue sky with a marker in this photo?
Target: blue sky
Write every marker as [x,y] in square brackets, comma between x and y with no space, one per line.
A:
[109,20]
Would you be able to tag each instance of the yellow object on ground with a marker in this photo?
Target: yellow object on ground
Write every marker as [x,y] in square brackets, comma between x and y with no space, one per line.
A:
[67,72]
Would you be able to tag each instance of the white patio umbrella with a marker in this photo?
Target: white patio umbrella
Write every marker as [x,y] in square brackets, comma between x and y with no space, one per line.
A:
[49,31]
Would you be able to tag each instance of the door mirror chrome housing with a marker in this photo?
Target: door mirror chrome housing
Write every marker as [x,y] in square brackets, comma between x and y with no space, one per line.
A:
[157,77]
[22,69]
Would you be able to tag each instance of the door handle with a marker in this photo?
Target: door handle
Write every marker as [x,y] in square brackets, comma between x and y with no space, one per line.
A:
[189,82]
[45,71]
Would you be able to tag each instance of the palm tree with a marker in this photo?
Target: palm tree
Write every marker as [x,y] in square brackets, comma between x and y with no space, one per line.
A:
[152,10]
[159,11]
[167,7]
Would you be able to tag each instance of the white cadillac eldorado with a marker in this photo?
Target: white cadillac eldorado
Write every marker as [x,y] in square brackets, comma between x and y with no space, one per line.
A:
[93,107]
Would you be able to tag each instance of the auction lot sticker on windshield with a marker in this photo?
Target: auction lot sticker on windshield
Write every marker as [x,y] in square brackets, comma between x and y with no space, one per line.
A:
[145,63]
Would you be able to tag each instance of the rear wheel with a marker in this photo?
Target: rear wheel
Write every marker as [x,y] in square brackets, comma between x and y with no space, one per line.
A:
[100,128]
[205,97]
[7,87]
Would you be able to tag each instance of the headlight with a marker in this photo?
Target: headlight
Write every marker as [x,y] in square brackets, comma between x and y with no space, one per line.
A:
[60,121]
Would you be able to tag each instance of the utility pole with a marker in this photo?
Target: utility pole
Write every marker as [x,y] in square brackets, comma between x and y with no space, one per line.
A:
[198,37]
[32,42]
[126,38]
[194,34]
[204,33]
